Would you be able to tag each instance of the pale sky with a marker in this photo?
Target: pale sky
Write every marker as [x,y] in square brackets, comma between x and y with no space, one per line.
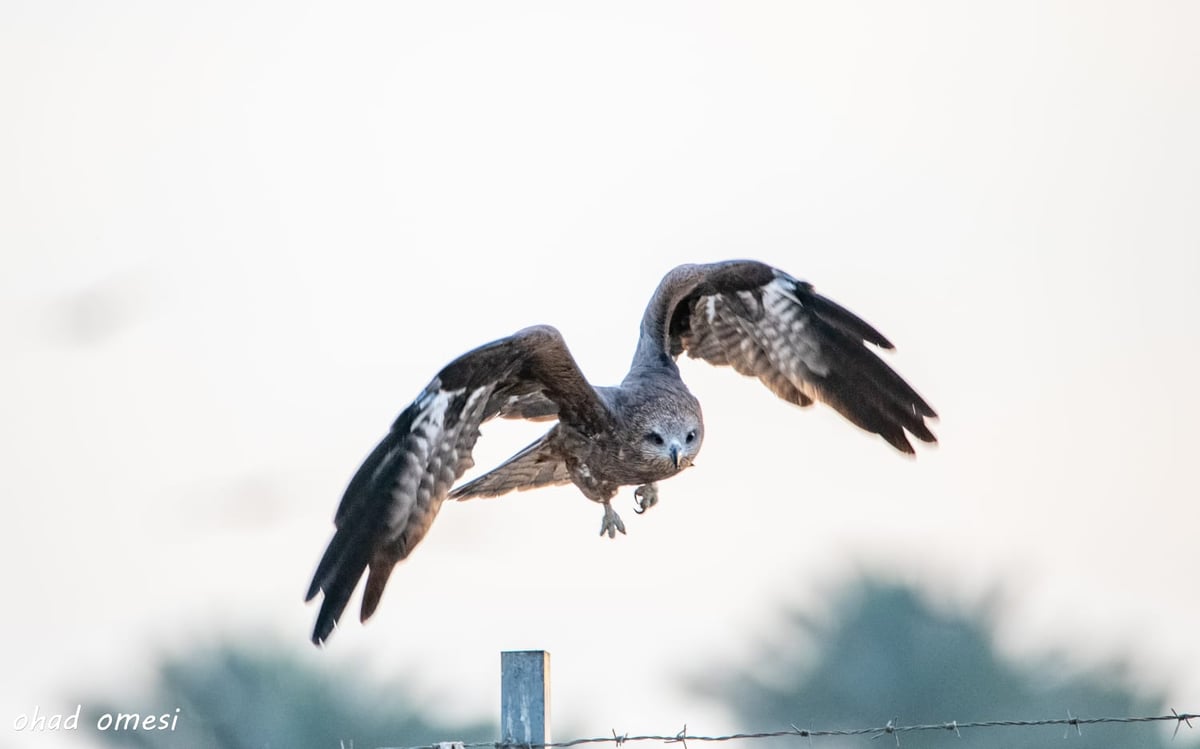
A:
[238,238]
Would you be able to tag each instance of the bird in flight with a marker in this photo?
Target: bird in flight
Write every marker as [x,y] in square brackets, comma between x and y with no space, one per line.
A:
[741,313]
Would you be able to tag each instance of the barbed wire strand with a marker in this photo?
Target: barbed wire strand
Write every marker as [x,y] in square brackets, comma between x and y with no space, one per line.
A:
[889,729]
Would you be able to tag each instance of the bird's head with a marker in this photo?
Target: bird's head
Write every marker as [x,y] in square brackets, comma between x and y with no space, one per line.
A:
[670,441]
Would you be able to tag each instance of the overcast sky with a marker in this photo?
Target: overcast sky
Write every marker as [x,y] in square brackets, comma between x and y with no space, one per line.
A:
[238,238]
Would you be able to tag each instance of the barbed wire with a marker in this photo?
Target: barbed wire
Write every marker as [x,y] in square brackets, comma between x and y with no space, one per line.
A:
[891,728]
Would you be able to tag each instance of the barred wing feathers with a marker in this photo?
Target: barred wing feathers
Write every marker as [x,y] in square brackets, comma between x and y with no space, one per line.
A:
[801,345]
[392,500]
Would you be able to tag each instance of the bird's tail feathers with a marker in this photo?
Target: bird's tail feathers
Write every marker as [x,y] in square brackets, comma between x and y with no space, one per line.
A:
[536,465]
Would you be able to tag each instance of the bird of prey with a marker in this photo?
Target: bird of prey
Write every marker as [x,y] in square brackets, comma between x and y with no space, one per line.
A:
[755,318]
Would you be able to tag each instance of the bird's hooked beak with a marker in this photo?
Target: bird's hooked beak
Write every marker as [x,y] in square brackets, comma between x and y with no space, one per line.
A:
[675,454]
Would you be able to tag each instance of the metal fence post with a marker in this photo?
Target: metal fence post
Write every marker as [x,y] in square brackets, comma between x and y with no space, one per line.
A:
[525,696]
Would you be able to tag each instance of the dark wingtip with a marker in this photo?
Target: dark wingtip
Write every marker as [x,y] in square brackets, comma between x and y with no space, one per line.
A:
[840,317]
[897,439]
[337,594]
[347,555]
[331,610]
[377,577]
[321,634]
[920,430]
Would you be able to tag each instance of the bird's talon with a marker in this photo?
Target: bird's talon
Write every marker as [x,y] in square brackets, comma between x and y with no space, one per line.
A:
[645,497]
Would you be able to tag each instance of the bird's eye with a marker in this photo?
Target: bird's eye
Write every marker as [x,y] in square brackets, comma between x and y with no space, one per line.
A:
[691,437]
[656,438]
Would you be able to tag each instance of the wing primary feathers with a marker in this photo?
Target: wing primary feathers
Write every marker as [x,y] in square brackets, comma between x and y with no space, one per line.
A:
[801,345]
[846,322]
[861,365]
[345,543]
[837,315]
[360,525]
[857,383]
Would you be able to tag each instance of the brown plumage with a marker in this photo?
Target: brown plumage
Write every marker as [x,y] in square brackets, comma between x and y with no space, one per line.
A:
[740,313]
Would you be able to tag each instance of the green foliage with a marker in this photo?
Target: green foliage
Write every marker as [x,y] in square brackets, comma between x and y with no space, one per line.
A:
[886,653]
[240,696]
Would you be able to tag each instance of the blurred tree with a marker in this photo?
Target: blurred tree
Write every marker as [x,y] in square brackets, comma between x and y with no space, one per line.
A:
[886,653]
[245,696]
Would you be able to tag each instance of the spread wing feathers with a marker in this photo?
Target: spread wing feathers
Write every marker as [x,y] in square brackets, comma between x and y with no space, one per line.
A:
[802,346]
[536,465]
[393,498]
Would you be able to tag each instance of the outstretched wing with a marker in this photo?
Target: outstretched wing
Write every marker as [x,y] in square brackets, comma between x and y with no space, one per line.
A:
[803,346]
[392,499]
